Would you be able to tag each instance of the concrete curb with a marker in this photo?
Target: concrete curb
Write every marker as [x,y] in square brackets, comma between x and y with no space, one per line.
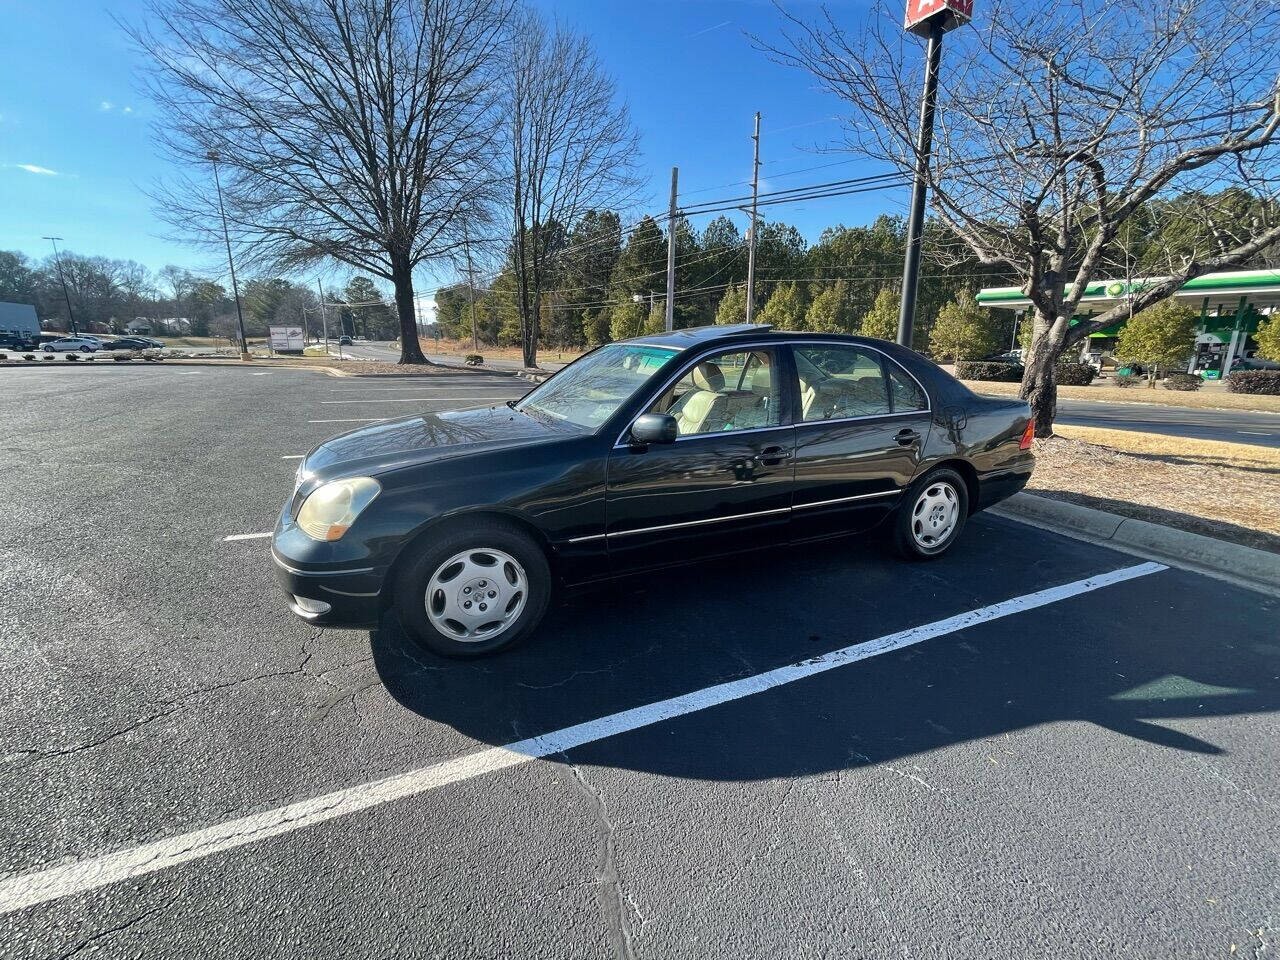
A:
[1244,566]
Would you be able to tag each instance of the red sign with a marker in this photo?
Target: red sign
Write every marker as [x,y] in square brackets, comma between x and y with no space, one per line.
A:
[952,13]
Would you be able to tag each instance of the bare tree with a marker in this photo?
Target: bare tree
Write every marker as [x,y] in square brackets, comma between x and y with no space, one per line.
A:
[1060,125]
[345,130]
[572,148]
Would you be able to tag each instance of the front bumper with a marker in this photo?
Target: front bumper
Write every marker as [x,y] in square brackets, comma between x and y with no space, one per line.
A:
[329,584]
[350,597]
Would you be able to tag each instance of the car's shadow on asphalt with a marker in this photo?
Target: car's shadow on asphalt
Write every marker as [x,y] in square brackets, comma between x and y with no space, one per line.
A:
[646,639]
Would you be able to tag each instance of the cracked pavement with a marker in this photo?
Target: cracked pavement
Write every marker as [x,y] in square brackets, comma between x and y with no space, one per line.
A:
[1095,777]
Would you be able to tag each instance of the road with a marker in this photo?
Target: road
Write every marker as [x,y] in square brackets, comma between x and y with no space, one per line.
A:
[1092,776]
[1233,426]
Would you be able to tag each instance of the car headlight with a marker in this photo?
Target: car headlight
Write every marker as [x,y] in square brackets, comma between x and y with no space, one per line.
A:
[332,508]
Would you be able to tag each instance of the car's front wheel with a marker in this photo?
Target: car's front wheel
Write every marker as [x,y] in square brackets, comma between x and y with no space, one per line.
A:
[476,589]
[931,515]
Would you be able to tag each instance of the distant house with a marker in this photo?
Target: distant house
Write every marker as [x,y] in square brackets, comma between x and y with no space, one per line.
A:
[138,326]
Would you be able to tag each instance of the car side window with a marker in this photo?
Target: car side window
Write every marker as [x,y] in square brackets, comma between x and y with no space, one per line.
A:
[837,382]
[906,393]
[727,391]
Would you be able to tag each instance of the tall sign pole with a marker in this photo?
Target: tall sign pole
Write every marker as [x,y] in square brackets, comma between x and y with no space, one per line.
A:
[671,255]
[931,19]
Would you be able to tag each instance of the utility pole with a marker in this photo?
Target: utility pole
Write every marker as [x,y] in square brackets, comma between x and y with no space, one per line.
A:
[57,259]
[471,290]
[931,19]
[231,265]
[671,254]
[324,319]
[751,245]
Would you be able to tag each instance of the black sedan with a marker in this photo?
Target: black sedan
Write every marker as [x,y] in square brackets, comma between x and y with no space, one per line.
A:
[641,455]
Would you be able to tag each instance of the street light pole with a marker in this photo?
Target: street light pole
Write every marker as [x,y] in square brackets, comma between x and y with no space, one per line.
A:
[226,236]
[57,259]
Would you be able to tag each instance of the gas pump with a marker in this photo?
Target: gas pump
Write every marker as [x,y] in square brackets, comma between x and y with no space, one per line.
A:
[1207,361]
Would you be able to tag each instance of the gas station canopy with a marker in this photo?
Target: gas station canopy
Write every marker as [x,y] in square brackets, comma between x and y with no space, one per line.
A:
[1231,305]
[1261,288]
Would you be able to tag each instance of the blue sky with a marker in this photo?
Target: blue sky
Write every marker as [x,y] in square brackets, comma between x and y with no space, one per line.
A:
[76,150]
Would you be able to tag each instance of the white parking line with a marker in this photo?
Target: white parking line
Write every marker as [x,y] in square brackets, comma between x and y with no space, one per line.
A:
[293,456]
[356,420]
[1255,433]
[416,399]
[42,886]
[246,536]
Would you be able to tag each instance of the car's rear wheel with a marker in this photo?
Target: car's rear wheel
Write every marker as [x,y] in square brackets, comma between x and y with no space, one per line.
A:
[476,589]
[931,515]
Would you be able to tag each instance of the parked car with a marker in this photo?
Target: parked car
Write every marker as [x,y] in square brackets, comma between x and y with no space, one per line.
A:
[1253,363]
[128,343]
[641,455]
[84,344]
[344,341]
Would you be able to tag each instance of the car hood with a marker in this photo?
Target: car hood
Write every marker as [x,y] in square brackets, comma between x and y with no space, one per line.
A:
[429,437]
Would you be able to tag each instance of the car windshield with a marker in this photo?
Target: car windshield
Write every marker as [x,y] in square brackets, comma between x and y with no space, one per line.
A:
[590,390]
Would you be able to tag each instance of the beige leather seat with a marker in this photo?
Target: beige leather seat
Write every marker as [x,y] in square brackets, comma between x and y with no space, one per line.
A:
[703,409]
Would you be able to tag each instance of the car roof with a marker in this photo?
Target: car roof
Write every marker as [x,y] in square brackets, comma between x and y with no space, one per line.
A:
[717,335]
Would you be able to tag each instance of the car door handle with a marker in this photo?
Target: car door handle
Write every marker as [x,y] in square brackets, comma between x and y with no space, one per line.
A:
[771,456]
[906,437]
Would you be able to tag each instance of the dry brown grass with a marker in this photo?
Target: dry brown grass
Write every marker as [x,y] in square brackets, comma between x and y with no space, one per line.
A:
[460,348]
[1207,399]
[1225,490]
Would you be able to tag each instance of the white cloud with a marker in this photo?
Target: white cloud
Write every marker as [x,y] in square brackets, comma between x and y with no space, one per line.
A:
[128,110]
[106,105]
[32,168]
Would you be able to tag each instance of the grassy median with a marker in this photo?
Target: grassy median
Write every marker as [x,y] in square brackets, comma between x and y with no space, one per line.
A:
[1203,399]
[1230,491]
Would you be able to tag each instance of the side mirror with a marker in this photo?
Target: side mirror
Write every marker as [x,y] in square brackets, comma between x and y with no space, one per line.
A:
[654,428]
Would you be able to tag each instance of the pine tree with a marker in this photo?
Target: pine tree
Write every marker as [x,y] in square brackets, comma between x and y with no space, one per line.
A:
[786,308]
[733,306]
[881,321]
[830,312]
[626,320]
[963,330]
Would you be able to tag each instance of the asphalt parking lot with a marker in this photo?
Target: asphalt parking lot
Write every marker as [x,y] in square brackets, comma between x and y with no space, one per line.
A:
[1032,747]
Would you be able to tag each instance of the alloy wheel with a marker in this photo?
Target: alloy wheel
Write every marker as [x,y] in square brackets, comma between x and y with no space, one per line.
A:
[477,594]
[935,515]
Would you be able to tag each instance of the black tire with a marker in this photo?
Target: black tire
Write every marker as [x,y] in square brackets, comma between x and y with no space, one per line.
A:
[415,576]
[48,349]
[86,349]
[911,529]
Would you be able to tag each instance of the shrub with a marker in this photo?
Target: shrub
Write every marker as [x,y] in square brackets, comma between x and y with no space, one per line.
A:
[28,356]
[1075,374]
[48,356]
[1255,381]
[1182,381]
[989,370]
[73,356]
[473,359]
[4,356]
[1127,380]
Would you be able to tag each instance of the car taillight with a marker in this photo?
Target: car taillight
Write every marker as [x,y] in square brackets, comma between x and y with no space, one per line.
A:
[1027,436]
